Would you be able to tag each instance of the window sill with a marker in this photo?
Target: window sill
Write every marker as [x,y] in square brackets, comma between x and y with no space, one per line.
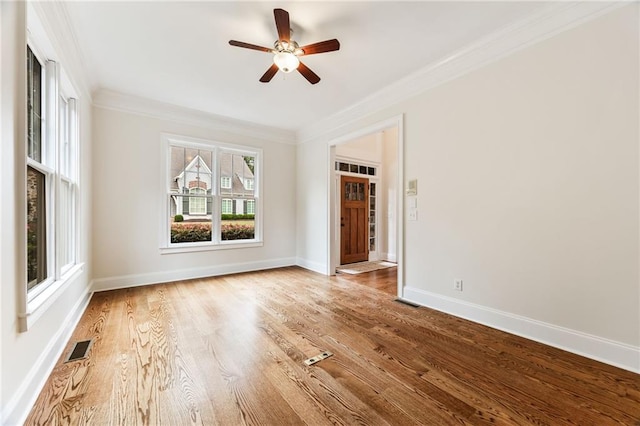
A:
[195,247]
[39,304]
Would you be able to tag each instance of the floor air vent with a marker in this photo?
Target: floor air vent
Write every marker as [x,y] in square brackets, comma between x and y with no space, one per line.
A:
[80,350]
[318,358]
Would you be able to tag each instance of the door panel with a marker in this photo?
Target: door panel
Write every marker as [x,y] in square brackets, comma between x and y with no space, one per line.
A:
[354,208]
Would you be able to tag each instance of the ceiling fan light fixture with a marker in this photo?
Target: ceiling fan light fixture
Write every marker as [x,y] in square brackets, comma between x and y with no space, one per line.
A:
[286,61]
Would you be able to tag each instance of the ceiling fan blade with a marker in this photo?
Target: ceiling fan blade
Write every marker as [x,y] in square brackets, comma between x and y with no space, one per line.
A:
[273,69]
[321,47]
[249,46]
[282,24]
[311,76]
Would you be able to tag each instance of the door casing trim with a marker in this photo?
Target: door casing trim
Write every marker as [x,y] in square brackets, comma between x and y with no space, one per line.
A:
[333,206]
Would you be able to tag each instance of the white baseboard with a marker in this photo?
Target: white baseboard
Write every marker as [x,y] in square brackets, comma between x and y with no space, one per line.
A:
[390,257]
[604,350]
[135,280]
[320,268]
[18,407]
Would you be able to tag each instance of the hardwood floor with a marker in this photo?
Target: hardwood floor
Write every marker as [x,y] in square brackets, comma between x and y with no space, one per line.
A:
[230,350]
[385,280]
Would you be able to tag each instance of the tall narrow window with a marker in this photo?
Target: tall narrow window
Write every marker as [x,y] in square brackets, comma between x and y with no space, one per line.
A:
[67,183]
[38,178]
[241,168]
[190,177]
[51,186]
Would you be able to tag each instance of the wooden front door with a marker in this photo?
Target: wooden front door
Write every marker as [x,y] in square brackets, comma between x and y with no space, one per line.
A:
[354,204]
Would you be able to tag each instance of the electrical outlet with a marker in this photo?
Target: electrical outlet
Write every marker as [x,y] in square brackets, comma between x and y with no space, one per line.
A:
[457,285]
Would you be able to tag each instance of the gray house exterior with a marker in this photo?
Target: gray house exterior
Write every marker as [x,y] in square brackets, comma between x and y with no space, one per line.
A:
[193,184]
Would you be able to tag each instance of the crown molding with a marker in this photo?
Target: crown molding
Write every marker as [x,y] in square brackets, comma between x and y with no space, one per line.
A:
[112,100]
[552,20]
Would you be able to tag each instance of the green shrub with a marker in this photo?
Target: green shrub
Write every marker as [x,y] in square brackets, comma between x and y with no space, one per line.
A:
[227,216]
[198,232]
[178,218]
[190,232]
[237,232]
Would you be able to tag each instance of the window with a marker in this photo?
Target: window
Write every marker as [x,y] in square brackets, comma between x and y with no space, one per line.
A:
[227,206]
[242,167]
[195,205]
[68,185]
[51,187]
[355,168]
[251,206]
[36,228]
[37,177]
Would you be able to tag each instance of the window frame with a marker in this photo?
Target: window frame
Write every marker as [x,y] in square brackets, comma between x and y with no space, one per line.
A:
[68,175]
[43,167]
[54,83]
[216,243]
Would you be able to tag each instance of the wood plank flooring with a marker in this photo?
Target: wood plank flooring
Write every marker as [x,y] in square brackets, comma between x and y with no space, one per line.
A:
[230,350]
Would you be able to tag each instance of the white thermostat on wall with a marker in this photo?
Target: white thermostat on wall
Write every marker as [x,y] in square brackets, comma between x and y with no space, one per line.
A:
[412,187]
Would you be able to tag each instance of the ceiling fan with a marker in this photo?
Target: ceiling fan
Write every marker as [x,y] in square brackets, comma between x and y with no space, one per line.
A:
[286,51]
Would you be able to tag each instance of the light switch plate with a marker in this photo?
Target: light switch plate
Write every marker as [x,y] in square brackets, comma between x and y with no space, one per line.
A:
[412,187]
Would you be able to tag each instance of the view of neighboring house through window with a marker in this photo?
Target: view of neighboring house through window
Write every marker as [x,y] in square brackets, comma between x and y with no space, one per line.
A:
[191,194]
[237,222]
[200,211]
[51,187]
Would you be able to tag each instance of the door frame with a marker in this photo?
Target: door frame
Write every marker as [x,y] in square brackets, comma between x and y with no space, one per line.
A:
[333,231]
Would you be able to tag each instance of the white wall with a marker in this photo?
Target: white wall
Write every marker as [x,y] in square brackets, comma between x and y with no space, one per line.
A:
[312,176]
[528,190]
[367,148]
[126,204]
[27,358]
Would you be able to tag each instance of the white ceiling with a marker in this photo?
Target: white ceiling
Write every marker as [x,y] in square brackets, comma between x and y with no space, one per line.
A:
[178,52]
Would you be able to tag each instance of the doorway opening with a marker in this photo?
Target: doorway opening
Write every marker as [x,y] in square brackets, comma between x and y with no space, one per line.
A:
[366,199]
